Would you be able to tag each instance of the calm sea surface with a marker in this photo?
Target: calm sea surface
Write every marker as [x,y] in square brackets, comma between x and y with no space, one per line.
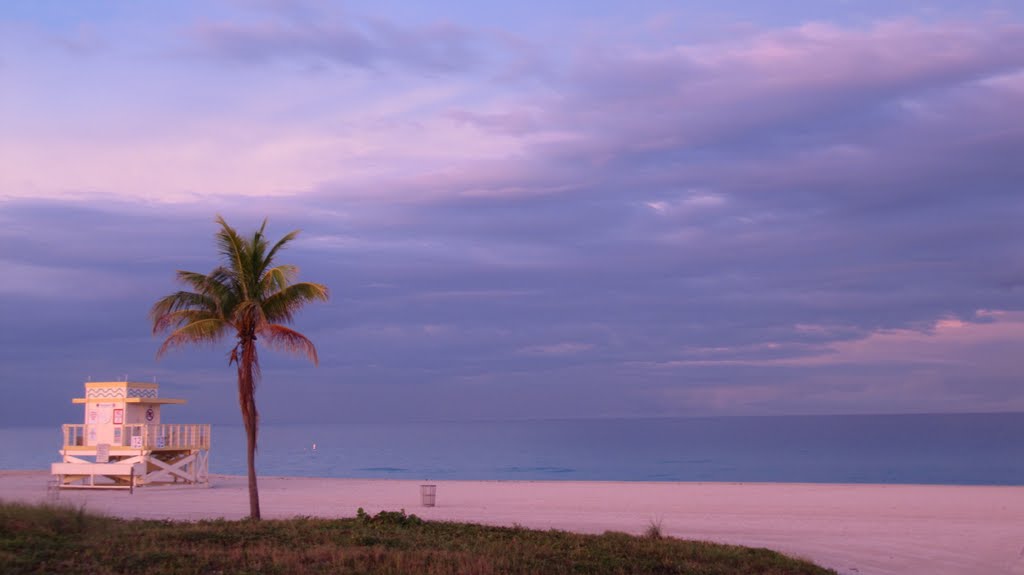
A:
[974,449]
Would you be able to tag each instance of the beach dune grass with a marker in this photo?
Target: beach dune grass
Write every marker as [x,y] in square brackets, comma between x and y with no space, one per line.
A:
[64,539]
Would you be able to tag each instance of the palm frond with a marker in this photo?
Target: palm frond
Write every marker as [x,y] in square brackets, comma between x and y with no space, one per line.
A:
[202,331]
[233,249]
[281,243]
[281,306]
[286,339]
[201,283]
[256,250]
[182,317]
[277,278]
[165,308]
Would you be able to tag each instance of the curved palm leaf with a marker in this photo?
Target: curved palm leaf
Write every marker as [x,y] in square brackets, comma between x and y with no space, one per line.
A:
[282,305]
[278,278]
[286,339]
[205,330]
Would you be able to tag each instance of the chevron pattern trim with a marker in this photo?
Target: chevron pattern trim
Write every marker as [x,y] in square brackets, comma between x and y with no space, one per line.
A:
[141,392]
[105,392]
[116,392]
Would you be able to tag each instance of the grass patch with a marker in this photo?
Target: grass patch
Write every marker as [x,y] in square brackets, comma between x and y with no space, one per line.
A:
[61,539]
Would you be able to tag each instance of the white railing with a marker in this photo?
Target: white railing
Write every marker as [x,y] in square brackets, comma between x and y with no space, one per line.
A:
[144,436]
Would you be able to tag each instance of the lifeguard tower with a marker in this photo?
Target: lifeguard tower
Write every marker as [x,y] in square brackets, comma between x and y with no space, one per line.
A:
[124,444]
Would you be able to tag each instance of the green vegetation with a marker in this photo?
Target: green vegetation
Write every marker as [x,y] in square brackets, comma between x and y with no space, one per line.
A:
[54,539]
[248,297]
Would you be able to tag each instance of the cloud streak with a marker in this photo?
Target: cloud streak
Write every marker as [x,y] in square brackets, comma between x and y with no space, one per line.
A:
[343,40]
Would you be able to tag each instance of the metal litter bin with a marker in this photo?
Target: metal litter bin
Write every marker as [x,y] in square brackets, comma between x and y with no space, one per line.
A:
[428,495]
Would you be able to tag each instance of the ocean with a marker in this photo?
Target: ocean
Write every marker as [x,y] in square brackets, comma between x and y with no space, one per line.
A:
[956,449]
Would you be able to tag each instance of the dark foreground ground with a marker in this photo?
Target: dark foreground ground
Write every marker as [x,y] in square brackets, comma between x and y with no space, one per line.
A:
[65,539]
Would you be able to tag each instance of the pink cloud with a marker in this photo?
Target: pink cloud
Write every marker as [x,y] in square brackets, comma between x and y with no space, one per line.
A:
[557,349]
[952,365]
[981,343]
[949,341]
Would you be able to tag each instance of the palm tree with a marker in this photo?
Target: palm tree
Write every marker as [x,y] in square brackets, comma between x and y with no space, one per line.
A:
[247,296]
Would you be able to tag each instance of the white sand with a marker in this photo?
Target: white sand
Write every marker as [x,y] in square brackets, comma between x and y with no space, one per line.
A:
[862,529]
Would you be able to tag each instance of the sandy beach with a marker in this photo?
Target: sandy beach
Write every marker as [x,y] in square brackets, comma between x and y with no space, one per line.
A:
[854,529]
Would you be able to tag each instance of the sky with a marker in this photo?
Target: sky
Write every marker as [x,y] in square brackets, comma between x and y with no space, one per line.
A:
[524,209]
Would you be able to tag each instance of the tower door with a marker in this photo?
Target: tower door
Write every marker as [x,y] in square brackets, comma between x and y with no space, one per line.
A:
[101,423]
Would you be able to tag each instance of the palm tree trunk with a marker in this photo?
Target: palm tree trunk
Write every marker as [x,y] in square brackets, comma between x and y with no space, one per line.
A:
[254,494]
[248,371]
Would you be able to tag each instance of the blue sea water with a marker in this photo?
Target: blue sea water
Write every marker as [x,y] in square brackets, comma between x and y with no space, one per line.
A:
[965,449]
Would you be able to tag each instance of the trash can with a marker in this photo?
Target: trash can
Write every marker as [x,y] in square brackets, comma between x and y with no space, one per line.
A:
[428,494]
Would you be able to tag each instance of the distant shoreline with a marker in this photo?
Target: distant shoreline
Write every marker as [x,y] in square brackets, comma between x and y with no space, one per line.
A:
[238,424]
[853,528]
[224,476]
